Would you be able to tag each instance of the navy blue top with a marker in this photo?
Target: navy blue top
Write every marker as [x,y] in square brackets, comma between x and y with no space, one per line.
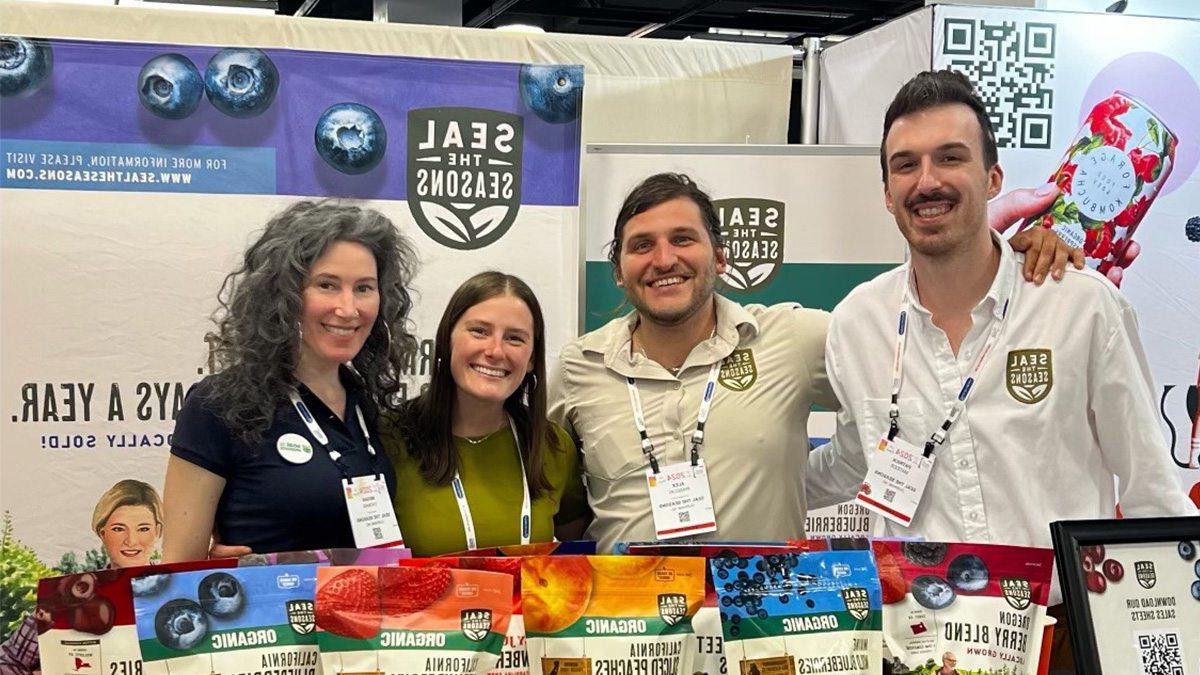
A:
[268,503]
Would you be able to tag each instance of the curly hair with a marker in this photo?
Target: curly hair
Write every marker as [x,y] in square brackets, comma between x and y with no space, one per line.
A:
[257,340]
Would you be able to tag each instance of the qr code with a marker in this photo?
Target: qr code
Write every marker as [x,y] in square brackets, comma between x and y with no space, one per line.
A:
[889,495]
[377,532]
[1012,66]
[685,517]
[1160,653]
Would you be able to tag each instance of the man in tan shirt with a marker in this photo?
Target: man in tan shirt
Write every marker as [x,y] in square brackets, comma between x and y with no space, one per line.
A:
[667,253]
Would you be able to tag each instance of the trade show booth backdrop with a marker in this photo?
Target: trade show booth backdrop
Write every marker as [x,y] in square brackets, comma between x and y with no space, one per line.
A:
[801,224]
[129,192]
[1055,81]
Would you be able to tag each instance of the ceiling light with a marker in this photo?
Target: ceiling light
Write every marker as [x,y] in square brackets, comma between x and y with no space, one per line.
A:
[810,13]
[520,28]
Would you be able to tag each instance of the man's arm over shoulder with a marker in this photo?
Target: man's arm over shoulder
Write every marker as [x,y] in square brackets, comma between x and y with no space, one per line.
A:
[1121,396]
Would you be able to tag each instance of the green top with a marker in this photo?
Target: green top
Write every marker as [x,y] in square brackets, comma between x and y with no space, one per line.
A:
[491,475]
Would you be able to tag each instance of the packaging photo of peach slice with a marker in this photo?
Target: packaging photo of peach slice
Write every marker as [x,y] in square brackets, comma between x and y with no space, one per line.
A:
[85,621]
[394,620]
[240,621]
[610,614]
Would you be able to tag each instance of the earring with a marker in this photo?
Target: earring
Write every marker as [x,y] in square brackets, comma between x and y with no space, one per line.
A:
[300,331]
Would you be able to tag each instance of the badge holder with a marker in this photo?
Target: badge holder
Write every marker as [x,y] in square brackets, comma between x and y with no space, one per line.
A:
[897,475]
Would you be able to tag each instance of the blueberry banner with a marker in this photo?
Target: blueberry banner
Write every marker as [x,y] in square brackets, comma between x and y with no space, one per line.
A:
[132,176]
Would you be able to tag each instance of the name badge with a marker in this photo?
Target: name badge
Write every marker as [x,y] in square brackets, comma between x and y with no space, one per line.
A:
[372,518]
[681,501]
[896,477]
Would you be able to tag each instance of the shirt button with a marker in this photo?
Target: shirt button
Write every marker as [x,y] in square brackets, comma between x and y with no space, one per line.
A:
[965,463]
[975,516]
[677,385]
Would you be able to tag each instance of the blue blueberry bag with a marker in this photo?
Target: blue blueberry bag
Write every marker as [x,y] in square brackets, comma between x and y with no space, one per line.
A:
[792,613]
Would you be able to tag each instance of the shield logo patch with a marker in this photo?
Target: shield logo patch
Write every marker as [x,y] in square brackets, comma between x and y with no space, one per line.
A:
[1144,569]
[464,174]
[753,234]
[1029,374]
[738,371]
[476,623]
[1017,592]
[672,607]
[858,602]
[301,615]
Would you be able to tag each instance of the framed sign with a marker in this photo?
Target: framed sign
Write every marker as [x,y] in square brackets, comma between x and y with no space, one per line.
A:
[1132,589]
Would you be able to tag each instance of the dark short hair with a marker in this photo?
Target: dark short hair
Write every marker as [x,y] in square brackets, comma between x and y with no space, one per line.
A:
[659,189]
[933,88]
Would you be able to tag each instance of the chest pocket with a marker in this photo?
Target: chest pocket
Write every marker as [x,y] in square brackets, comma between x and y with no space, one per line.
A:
[615,451]
[874,423]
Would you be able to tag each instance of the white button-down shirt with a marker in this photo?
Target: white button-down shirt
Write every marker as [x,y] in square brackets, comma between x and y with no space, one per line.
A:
[1063,403]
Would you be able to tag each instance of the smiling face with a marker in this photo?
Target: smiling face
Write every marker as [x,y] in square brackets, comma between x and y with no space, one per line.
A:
[341,301]
[668,265]
[129,535]
[491,350]
[937,185]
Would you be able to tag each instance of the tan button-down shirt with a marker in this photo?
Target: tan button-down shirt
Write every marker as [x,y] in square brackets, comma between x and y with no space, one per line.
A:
[756,439]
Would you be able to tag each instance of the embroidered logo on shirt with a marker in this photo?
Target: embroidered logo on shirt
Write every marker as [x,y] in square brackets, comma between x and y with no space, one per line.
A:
[738,372]
[753,234]
[1029,374]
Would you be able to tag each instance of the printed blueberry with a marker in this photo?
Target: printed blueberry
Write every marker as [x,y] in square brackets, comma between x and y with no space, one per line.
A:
[351,138]
[25,65]
[1196,590]
[1191,229]
[932,592]
[553,93]
[1196,568]
[241,82]
[1187,550]
[926,554]
[968,573]
[180,624]
[170,86]
[221,595]
[149,585]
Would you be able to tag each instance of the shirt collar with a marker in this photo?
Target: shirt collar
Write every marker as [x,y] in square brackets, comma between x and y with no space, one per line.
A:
[734,324]
[999,293]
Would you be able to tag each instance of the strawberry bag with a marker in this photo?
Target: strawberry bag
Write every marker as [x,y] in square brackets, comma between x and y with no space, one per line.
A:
[432,620]
[85,621]
[977,608]
[243,621]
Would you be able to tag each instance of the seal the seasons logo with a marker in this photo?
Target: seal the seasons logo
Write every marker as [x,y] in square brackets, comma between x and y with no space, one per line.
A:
[476,623]
[738,372]
[301,616]
[753,234]
[672,607]
[464,174]
[1029,374]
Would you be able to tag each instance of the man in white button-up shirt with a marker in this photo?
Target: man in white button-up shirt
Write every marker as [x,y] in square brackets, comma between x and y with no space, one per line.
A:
[1062,401]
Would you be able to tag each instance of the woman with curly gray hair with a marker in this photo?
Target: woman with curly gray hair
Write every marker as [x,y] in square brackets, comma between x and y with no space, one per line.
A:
[310,341]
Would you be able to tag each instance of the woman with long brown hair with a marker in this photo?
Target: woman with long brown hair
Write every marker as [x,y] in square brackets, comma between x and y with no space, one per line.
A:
[477,463]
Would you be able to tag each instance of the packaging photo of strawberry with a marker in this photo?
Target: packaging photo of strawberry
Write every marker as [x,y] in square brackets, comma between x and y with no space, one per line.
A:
[411,619]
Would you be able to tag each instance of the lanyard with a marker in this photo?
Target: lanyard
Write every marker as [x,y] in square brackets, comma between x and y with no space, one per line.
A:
[319,434]
[635,402]
[939,435]
[464,509]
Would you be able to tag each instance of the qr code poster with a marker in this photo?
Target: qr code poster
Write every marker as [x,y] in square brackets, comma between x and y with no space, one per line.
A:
[1144,607]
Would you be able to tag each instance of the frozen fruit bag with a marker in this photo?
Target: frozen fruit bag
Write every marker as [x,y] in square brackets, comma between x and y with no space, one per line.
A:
[241,621]
[801,612]
[398,620]
[588,615]
[513,658]
[708,643]
[573,547]
[328,556]
[975,607]
[85,621]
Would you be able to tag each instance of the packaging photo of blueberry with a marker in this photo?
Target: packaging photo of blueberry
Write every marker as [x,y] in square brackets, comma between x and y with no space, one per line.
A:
[952,598]
[351,138]
[814,612]
[25,65]
[230,621]
[554,93]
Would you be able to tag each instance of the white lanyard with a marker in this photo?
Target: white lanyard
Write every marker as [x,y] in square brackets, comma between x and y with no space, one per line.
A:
[464,509]
[319,434]
[639,419]
[939,435]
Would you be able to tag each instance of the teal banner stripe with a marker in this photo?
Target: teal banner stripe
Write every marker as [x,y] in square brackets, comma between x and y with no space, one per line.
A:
[455,641]
[817,285]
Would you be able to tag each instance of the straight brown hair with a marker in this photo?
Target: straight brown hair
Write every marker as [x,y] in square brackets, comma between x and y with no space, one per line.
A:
[426,423]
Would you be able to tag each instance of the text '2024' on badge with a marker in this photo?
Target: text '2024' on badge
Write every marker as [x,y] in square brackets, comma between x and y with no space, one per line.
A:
[464,174]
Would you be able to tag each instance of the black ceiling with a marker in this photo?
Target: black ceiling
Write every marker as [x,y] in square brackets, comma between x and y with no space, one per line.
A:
[679,18]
